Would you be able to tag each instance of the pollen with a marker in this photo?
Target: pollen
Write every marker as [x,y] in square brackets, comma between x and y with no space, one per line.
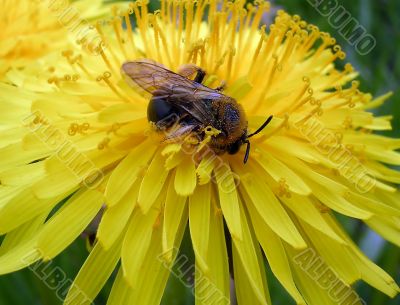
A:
[283,188]
[104,143]
[114,128]
[319,157]
[75,128]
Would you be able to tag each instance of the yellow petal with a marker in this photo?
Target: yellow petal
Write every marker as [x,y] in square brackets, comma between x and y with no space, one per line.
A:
[65,181]
[56,104]
[338,203]
[185,177]
[268,206]
[23,175]
[23,207]
[204,169]
[337,256]
[174,213]
[76,214]
[355,138]
[276,255]
[116,217]
[7,193]
[13,155]
[392,199]
[120,291]
[247,255]
[244,292]
[228,198]
[20,256]
[152,183]
[213,287]
[93,275]
[174,159]
[11,135]
[172,148]
[370,273]
[23,233]
[387,227]
[311,290]
[65,173]
[370,204]
[310,173]
[383,155]
[12,97]
[304,208]
[359,118]
[136,244]
[280,144]
[380,171]
[377,101]
[380,123]
[120,113]
[152,282]
[199,223]
[127,171]
[133,127]
[278,170]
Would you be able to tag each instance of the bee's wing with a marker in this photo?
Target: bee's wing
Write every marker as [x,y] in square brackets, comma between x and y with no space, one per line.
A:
[179,133]
[157,80]
[162,83]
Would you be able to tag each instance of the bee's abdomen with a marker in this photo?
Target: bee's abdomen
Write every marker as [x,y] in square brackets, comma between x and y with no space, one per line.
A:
[158,109]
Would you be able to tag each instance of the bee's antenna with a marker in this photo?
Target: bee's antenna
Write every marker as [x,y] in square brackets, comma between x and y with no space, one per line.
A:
[261,127]
[246,155]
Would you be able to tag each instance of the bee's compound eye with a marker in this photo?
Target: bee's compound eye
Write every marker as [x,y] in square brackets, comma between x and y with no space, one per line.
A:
[234,147]
[158,109]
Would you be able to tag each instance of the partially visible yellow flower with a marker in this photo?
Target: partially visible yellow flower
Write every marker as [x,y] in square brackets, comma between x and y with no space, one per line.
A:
[31,29]
[86,139]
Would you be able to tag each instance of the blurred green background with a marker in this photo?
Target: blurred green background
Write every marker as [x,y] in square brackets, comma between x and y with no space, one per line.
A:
[379,73]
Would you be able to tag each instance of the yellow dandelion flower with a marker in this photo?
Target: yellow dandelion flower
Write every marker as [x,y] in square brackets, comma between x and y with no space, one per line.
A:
[86,142]
[32,29]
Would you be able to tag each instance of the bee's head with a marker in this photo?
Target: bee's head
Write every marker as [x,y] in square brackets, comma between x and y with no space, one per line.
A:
[244,139]
[235,146]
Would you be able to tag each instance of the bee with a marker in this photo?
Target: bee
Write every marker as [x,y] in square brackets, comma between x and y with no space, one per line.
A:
[182,106]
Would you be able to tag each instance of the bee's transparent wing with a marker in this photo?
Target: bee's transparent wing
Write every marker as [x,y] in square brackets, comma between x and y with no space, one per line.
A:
[162,83]
[178,133]
[157,80]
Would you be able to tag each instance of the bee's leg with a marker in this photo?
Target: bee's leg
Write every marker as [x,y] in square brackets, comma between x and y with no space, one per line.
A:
[221,87]
[190,69]
[178,133]
[200,76]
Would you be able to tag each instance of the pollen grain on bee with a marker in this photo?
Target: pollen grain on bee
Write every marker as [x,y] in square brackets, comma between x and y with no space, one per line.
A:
[229,181]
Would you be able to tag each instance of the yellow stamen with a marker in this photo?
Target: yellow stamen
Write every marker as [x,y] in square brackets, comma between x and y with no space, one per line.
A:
[129,28]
